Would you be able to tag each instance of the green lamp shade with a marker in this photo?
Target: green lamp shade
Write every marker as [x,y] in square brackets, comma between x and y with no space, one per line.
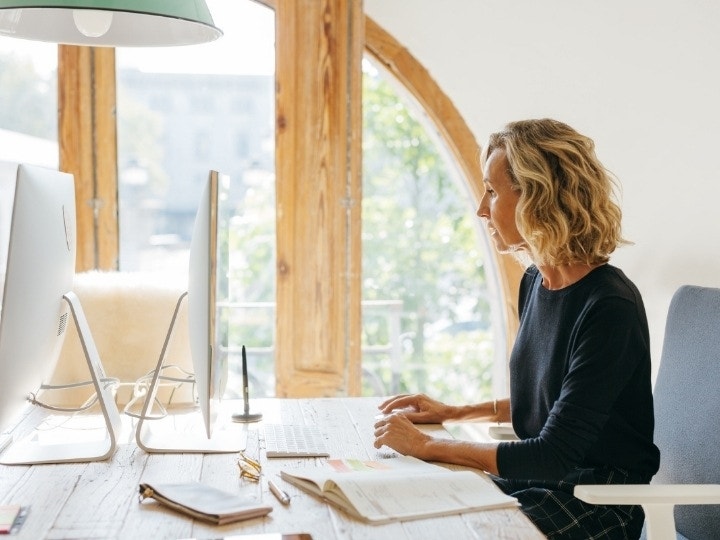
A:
[109,23]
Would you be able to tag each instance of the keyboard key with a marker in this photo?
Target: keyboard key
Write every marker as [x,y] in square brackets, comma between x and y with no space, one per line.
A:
[294,440]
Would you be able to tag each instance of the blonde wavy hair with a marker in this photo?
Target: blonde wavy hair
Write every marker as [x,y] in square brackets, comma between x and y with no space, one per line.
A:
[567,211]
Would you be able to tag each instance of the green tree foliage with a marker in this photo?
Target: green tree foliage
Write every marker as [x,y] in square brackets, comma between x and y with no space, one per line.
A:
[29,101]
[420,246]
[251,268]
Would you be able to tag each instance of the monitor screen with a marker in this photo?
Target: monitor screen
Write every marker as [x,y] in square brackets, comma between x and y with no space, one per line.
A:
[39,267]
[205,290]
[8,178]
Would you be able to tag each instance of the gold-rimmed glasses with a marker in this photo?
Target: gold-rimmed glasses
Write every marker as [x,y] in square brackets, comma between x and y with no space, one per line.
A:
[249,468]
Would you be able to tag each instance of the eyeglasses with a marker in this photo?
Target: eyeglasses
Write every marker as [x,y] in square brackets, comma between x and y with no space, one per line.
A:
[249,467]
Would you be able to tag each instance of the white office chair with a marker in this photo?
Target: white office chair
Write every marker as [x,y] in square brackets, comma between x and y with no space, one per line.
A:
[687,407]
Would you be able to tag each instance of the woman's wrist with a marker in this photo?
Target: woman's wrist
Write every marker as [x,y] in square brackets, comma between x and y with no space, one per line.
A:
[434,449]
[449,412]
[501,409]
[489,410]
[467,412]
[470,454]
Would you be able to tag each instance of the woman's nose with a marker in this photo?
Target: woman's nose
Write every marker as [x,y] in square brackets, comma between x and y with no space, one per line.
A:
[483,210]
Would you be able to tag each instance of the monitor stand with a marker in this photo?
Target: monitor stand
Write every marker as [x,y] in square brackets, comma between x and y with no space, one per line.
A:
[171,442]
[28,450]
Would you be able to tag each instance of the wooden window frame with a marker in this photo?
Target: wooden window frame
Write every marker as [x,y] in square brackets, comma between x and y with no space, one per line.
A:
[88,149]
[319,48]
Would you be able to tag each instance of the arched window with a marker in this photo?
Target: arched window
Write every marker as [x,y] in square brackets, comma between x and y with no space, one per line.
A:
[326,370]
[431,322]
[502,272]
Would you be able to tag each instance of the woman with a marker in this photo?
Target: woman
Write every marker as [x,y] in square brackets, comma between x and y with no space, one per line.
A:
[580,390]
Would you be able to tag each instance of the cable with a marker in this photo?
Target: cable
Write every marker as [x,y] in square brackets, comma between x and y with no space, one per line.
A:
[92,400]
[142,386]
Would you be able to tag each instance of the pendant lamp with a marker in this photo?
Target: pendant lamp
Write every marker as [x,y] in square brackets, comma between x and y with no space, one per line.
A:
[109,23]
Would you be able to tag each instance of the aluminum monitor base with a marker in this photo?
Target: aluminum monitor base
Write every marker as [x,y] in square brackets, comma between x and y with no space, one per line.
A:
[29,450]
[167,442]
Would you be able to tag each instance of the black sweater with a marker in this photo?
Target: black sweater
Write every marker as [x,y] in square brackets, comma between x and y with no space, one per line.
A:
[580,388]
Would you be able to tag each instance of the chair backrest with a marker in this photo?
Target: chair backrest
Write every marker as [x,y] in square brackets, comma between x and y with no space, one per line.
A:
[687,404]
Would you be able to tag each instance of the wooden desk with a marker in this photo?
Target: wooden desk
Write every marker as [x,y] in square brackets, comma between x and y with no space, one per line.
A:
[99,499]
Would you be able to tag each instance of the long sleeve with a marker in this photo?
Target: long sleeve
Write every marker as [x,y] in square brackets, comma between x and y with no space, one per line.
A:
[580,380]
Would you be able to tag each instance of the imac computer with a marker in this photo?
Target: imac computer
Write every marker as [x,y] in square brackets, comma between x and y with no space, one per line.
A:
[38,258]
[209,364]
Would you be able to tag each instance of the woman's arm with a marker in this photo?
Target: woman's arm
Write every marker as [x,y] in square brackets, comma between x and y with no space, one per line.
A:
[396,431]
[420,409]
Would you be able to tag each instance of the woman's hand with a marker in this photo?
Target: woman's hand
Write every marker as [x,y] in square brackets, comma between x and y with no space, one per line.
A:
[417,408]
[396,431]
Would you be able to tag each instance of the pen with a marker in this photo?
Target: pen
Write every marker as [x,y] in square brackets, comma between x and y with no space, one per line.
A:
[246,395]
[245,416]
[280,495]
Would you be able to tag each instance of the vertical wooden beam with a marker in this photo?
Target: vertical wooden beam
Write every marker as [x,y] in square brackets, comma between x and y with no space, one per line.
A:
[353,198]
[319,47]
[88,149]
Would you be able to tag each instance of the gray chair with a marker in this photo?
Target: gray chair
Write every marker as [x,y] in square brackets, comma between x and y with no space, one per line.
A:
[687,426]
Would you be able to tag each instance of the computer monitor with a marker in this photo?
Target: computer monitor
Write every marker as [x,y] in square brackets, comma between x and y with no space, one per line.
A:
[203,291]
[205,288]
[38,305]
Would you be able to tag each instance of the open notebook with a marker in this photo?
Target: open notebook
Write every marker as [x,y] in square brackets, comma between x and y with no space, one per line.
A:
[397,489]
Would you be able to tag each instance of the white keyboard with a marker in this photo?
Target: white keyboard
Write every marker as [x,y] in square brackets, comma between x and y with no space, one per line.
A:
[292,440]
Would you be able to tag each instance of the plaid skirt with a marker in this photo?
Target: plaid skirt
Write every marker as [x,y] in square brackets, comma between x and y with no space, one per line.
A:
[553,508]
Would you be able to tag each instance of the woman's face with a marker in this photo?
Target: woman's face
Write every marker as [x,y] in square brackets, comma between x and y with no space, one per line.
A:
[499,202]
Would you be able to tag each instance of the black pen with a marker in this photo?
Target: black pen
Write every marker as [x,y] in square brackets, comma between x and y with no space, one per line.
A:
[280,495]
[246,393]
[246,415]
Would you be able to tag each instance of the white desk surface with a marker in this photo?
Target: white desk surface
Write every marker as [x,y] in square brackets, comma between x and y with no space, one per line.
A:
[99,500]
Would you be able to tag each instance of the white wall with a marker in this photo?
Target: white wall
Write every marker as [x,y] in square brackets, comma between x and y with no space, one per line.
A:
[641,77]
